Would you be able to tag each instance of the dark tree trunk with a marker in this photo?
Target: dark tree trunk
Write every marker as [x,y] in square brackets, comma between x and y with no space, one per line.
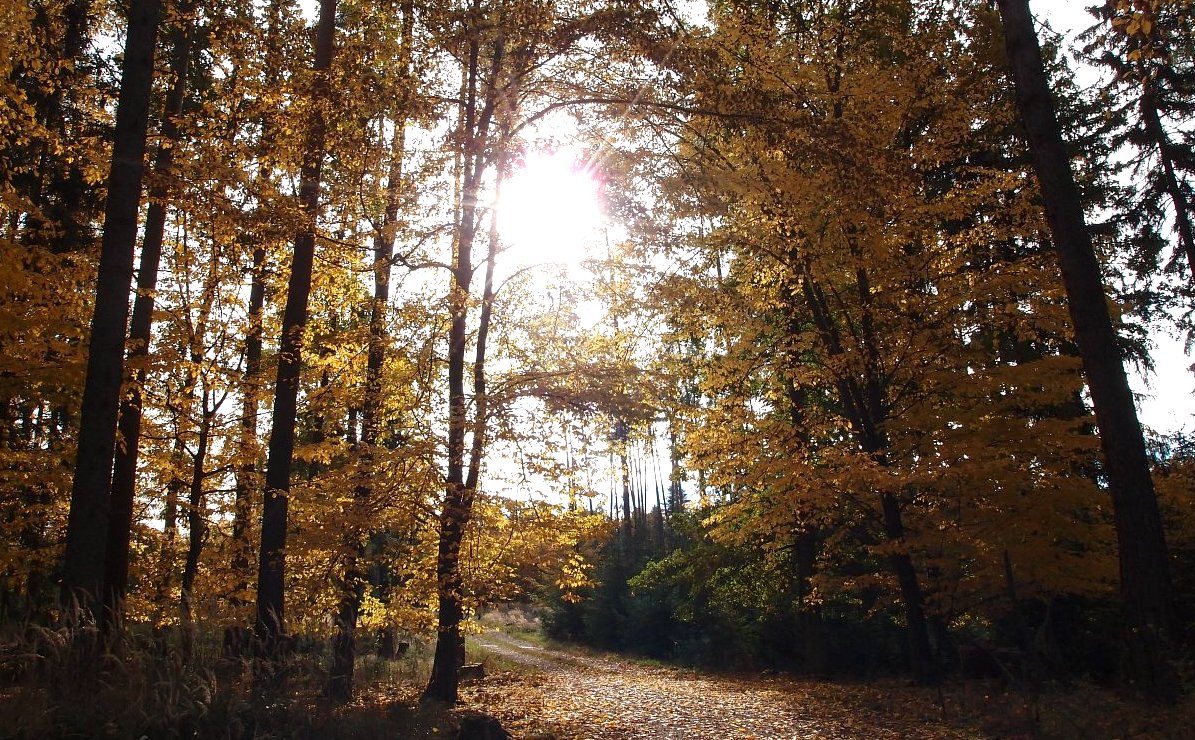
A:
[174,487]
[458,496]
[676,491]
[248,477]
[340,682]
[196,528]
[87,524]
[863,405]
[248,473]
[921,655]
[1144,566]
[810,627]
[1174,188]
[271,564]
[625,466]
[120,523]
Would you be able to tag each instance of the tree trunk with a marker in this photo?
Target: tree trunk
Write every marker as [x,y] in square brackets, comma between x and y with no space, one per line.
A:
[863,406]
[124,475]
[676,491]
[1182,209]
[340,682]
[921,655]
[625,467]
[271,579]
[810,628]
[1144,566]
[248,478]
[248,474]
[87,524]
[174,487]
[458,500]
[196,528]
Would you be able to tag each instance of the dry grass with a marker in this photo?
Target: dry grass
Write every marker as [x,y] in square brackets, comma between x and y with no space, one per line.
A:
[60,684]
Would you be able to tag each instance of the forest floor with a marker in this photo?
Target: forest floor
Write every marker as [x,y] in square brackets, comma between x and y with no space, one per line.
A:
[542,691]
[550,692]
[539,690]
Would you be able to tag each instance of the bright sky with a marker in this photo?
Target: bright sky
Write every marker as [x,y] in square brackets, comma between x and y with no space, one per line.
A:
[550,208]
[551,213]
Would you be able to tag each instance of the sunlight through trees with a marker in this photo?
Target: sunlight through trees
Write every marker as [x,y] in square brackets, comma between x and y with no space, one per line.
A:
[786,336]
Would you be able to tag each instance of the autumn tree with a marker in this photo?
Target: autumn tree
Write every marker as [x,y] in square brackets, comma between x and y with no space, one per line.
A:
[504,55]
[52,157]
[272,556]
[876,313]
[116,567]
[87,529]
[373,404]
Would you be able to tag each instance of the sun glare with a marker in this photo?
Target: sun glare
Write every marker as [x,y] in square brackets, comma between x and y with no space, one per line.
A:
[550,209]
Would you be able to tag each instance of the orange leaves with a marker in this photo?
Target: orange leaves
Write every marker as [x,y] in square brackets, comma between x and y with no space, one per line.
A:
[886,323]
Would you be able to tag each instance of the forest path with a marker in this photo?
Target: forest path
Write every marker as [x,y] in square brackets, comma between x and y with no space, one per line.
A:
[580,695]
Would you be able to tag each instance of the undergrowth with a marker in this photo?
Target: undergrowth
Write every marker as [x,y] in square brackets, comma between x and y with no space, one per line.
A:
[60,683]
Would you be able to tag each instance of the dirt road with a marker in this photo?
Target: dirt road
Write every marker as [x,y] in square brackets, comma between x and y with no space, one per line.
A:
[574,695]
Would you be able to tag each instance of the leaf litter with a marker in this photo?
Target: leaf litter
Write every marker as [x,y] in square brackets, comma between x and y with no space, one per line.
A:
[571,696]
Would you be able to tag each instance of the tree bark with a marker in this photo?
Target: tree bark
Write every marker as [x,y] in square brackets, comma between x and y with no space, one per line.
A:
[174,487]
[248,474]
[196,526]
[248,478]
[461,487]
[87,524]
[1144,566]
[340,682]
[271,579]
[120,523]
[449,655]
[863,406]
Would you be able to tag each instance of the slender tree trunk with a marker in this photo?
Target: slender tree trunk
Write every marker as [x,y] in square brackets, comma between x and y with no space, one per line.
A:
[458,510]
[120,523]
[271,580]
[174,487]
[863,406]
[458,495]
[458,498]
[1182,209]
[196,528]
[248,474]
[810,627]
[1144,565]
[921,655]
[625,466]
[248,478]
[676,491]
[340,682]
[87,524]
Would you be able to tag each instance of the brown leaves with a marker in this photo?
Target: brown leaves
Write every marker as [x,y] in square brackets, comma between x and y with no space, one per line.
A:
[602,698]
